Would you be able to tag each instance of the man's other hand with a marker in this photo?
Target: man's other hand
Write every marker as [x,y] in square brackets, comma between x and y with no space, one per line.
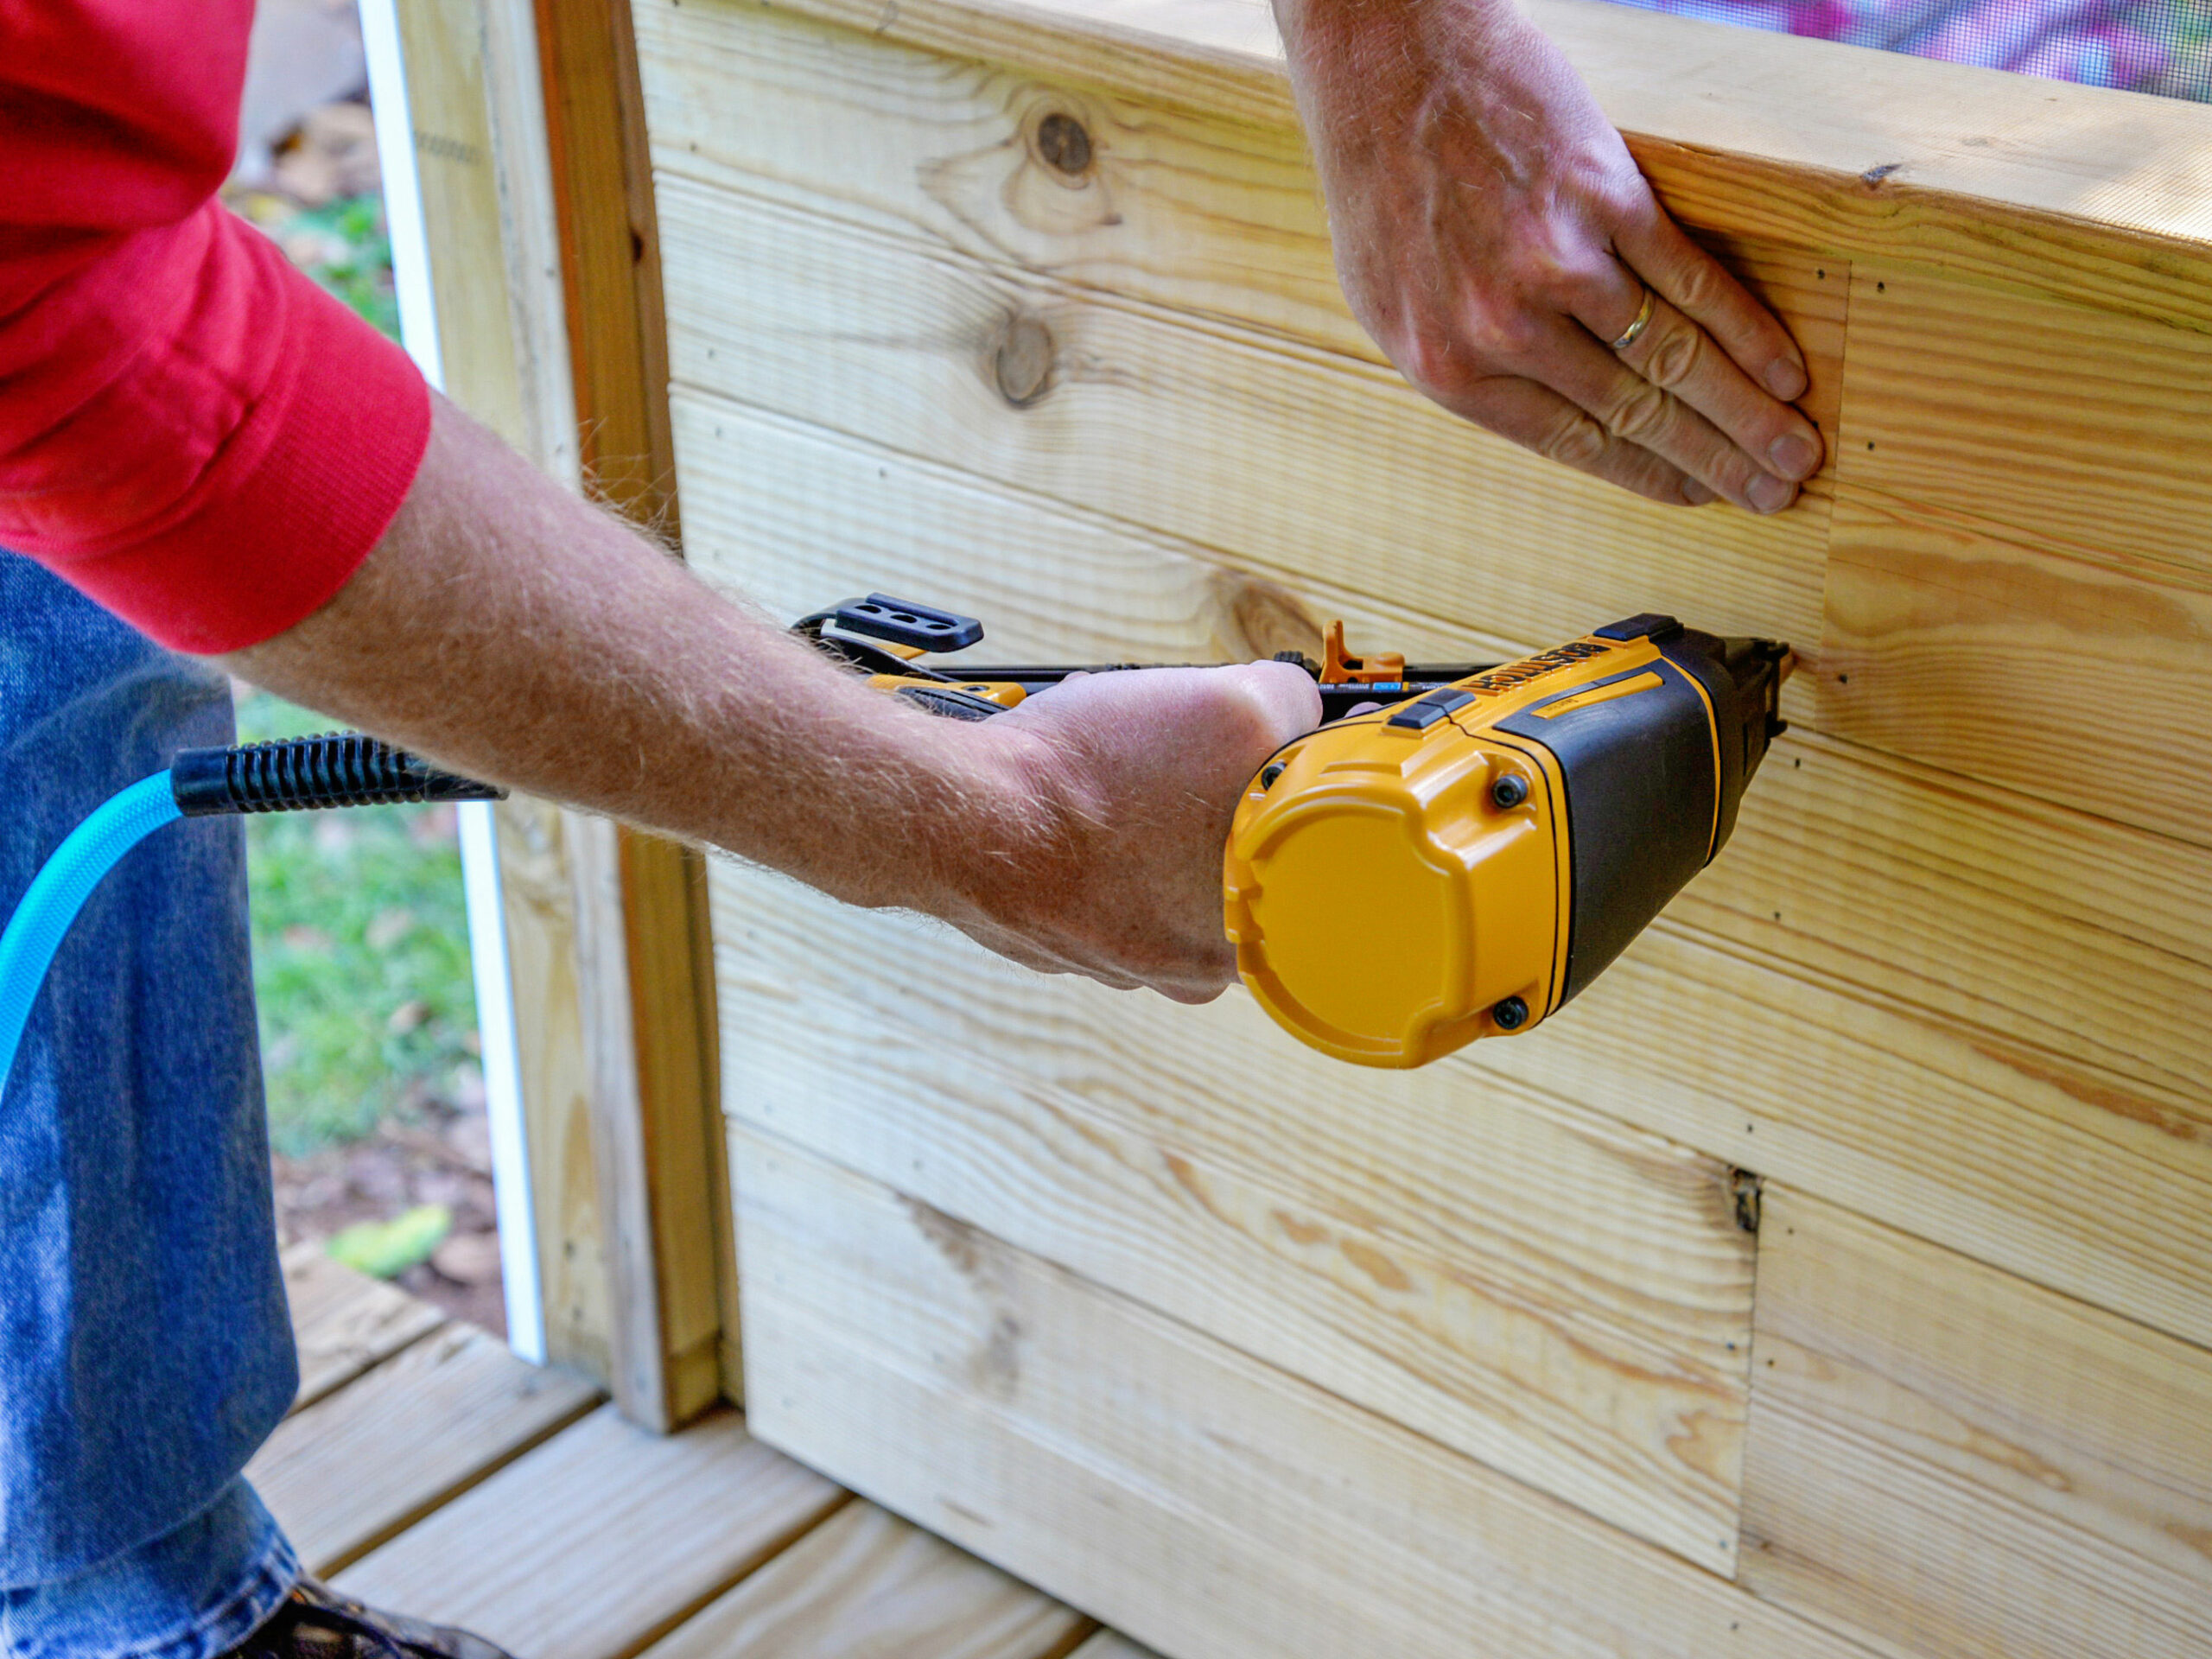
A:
[1133,778]
[1494,235]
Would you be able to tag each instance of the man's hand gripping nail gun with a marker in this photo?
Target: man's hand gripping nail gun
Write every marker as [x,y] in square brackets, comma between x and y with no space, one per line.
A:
[1456,850]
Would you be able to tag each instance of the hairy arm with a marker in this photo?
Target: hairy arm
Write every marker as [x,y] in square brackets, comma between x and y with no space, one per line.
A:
[521,635]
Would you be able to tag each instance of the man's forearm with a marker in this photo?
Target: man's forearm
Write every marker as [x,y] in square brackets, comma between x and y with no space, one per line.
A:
[520,634]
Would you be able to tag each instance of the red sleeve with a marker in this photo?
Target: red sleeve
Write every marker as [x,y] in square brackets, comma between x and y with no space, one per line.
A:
[191,431]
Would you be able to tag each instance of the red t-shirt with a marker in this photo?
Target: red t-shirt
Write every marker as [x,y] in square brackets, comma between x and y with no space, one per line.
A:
[191,431]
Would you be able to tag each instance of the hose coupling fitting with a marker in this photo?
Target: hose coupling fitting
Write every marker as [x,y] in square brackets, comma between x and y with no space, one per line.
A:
[301,774]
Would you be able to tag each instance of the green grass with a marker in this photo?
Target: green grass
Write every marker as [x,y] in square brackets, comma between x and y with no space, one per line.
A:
[360,935]
[346,248]
[360,957]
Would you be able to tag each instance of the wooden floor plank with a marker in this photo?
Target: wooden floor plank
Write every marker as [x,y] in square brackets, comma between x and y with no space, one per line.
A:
[343,1322]
[865,1584]
[1112,1644]
[346,1473]
[602,1540]
[1947,1459]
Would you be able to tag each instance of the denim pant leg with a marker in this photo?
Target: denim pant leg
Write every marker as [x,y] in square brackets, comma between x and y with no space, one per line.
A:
[145,1347]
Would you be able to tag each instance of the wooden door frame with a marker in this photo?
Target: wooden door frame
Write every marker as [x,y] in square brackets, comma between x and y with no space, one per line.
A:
[537,198]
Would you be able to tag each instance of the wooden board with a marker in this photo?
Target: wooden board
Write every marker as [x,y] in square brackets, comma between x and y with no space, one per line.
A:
[1524,1281]
[537,897]
[343,1322]
[2070,188]
[2021,532]
[1156,1479]
[1253,1354]
[1302,461]
[1111,1644]
[865,1584]
[1889,1033]
[1953,1463]
[1197,211]
[348,1472]
[649,1004]
[2051,927]
[540,222]
[476,106]
[600,1541]
[1950,632]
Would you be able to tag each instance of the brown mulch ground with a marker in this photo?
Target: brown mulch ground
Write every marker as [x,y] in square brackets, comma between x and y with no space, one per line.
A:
[444,1158]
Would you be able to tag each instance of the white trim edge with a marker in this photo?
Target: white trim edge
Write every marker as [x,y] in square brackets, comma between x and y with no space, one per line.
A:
[480,846]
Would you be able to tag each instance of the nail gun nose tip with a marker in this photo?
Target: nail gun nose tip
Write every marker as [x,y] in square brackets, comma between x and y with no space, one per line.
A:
[1787,667]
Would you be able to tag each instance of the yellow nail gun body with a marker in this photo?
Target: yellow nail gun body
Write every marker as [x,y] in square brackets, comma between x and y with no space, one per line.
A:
[1462,860]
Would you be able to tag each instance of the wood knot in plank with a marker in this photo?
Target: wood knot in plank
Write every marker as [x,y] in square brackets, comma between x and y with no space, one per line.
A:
[1258,618]
[1021,360]
[1063,143]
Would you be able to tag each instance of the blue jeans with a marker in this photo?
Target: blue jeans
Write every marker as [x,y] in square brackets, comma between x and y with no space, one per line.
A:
[145,1347]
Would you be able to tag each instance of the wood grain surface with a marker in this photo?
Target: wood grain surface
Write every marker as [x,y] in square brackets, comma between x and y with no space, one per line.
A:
[343,1322]
[476,104]
[865,1584]
[1245,1353]
[1154,1478]
[2071,189]
[348,1472]
[1971,1016]
[2052,927]
[648,1004]
[1954,1463]
[1305,462]
[538,900]
[2018,561]
[600,1541]
[1525,1283]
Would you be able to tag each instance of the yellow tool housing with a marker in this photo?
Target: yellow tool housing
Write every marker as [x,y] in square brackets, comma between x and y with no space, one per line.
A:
[1459,864]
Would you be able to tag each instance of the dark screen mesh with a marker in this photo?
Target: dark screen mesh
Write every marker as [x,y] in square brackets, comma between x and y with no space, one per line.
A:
[2149,46]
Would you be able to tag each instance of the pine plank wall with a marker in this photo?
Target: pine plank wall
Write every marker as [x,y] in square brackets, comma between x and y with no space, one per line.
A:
[1834,1278]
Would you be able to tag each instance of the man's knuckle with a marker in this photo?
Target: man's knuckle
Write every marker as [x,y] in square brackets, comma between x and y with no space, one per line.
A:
[1677,356]
[1502,333]
[1643,414]
[1698,285]
[1575,439]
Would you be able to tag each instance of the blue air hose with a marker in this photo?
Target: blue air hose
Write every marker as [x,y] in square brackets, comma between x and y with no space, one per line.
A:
[295,774]
[59,892]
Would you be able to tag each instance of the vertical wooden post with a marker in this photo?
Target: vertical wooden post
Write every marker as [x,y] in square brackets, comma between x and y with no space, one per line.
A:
[531,150]
[663,1262]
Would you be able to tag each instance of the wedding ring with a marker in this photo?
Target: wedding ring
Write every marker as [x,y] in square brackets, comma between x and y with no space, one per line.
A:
[1635,330]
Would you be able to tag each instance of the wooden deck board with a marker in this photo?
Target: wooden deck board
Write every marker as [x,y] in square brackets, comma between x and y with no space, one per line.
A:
[439,1476]
[343,1322]
[601,1541]
[866,1584]
[358,1465]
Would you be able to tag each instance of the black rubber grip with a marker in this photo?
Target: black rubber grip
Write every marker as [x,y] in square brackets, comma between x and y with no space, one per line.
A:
[305,774]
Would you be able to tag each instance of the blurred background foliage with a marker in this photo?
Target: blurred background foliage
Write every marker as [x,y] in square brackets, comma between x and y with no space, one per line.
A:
[361,953]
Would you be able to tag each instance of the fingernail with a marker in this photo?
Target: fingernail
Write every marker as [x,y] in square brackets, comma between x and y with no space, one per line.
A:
[1696,493]
[1793,456]
[1785,378]
[1770,494]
